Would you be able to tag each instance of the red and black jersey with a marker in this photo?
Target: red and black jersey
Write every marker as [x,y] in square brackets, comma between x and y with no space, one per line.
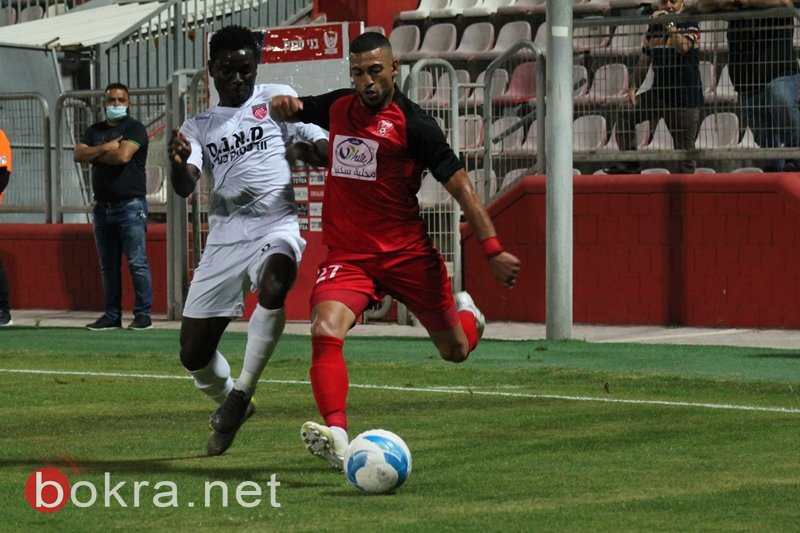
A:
[375,166]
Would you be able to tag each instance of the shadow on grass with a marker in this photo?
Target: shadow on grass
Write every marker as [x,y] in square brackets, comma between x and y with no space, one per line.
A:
[776,355]
[186,465]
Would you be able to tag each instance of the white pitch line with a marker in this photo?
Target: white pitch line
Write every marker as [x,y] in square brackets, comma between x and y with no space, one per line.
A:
[437,390]
[645,338]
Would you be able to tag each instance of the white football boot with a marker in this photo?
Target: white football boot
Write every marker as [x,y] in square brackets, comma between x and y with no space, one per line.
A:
[325,442]
[464,303]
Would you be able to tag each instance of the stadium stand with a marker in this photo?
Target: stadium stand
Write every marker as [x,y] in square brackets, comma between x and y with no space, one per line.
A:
[470,133]
[521,86]
[30,13]
[660,138]
[476,39]
[404,39]
[8,16]
[589,6]
[423,11]
[510,34]
[718,130]
[485,8]
[438,38]
[498,86]
[626,40]
[589,133]
[506,134]
[609,85]
[523,7]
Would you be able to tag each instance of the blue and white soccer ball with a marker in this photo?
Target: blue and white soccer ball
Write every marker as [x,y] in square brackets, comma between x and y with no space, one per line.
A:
[377,461]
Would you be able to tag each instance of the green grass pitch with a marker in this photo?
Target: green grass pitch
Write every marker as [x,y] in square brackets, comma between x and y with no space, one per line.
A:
[524,436]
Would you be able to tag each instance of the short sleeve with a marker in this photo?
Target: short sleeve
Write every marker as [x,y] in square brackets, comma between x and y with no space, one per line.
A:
[190,130]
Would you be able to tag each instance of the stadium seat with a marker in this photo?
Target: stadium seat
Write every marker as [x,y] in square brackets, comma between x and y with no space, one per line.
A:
[513,176]
[746,170]
[478,178]
[497,87]
[156,192]
[440,99]
[609,85]
[589,133]
[523,7]
[748,140]
[660,138]
[590,38]
[432,194]
[31,13]
[654,170]
[713,36]
[506,135]
[540,39]
[425,87]
[704,170]
[510,34]
[470,133]
[718,130]
[589,6]
[453,9]
[580,82]
[404,40]
[626,4]
[485,8]
[477,38]
[709,80]
[8,16]
[53,10]
[724,92]
[521,86]
[423,10]
[528,147]
[626,40]
[642,131]
[437,39]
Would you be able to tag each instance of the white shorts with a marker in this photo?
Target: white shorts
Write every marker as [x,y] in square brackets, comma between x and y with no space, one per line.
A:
[228,271]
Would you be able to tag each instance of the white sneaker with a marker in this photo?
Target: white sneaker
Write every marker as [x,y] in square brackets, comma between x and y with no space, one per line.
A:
[326,442]
[464,303]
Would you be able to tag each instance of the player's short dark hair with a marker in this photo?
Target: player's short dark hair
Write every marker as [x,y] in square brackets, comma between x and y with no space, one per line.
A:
[369,41]
[117,85]
[232,38]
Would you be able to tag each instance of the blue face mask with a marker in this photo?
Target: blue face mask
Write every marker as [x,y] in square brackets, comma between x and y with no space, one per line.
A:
[116,112]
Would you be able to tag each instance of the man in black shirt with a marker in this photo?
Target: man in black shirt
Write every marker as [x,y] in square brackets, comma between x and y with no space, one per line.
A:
[117,151]
[672,49]
[764,71]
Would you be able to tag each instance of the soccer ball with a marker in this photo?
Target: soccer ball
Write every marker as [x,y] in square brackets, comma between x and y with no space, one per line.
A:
[377,461]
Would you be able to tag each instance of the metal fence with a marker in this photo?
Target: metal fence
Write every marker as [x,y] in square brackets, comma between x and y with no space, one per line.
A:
[75,112]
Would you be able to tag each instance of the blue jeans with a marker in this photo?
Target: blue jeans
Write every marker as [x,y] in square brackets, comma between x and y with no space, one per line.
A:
[773,115]
[119,230]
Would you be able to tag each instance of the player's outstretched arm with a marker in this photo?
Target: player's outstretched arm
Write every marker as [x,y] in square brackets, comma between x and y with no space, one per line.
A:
[182,176]
[504,266]
[314,154]
[285,108]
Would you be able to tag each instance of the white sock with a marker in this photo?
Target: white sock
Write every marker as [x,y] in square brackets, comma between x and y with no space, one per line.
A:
[263,333]
[214,380]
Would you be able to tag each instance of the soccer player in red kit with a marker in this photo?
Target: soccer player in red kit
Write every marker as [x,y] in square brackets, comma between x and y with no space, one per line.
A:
[380,143]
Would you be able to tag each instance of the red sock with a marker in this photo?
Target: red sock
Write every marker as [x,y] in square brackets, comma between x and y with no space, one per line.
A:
[329,379]
[470,327]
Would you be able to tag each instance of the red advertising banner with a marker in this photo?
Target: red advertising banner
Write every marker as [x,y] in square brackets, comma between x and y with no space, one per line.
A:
[303,43]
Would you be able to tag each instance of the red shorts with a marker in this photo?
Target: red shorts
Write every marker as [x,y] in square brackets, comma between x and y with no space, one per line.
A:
[416,277]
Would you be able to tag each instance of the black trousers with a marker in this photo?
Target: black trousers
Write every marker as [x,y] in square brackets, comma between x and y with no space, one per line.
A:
[4,305]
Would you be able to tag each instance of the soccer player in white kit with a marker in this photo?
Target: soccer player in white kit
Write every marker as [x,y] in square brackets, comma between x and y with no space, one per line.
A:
[254,235]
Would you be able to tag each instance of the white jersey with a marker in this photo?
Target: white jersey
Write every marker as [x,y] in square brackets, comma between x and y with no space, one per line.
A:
[242,151]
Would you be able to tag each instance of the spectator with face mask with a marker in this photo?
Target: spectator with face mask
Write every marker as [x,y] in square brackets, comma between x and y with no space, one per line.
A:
[117,150]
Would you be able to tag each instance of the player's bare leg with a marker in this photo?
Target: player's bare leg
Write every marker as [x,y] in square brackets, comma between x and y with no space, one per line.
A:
[263,332]
[455,344]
